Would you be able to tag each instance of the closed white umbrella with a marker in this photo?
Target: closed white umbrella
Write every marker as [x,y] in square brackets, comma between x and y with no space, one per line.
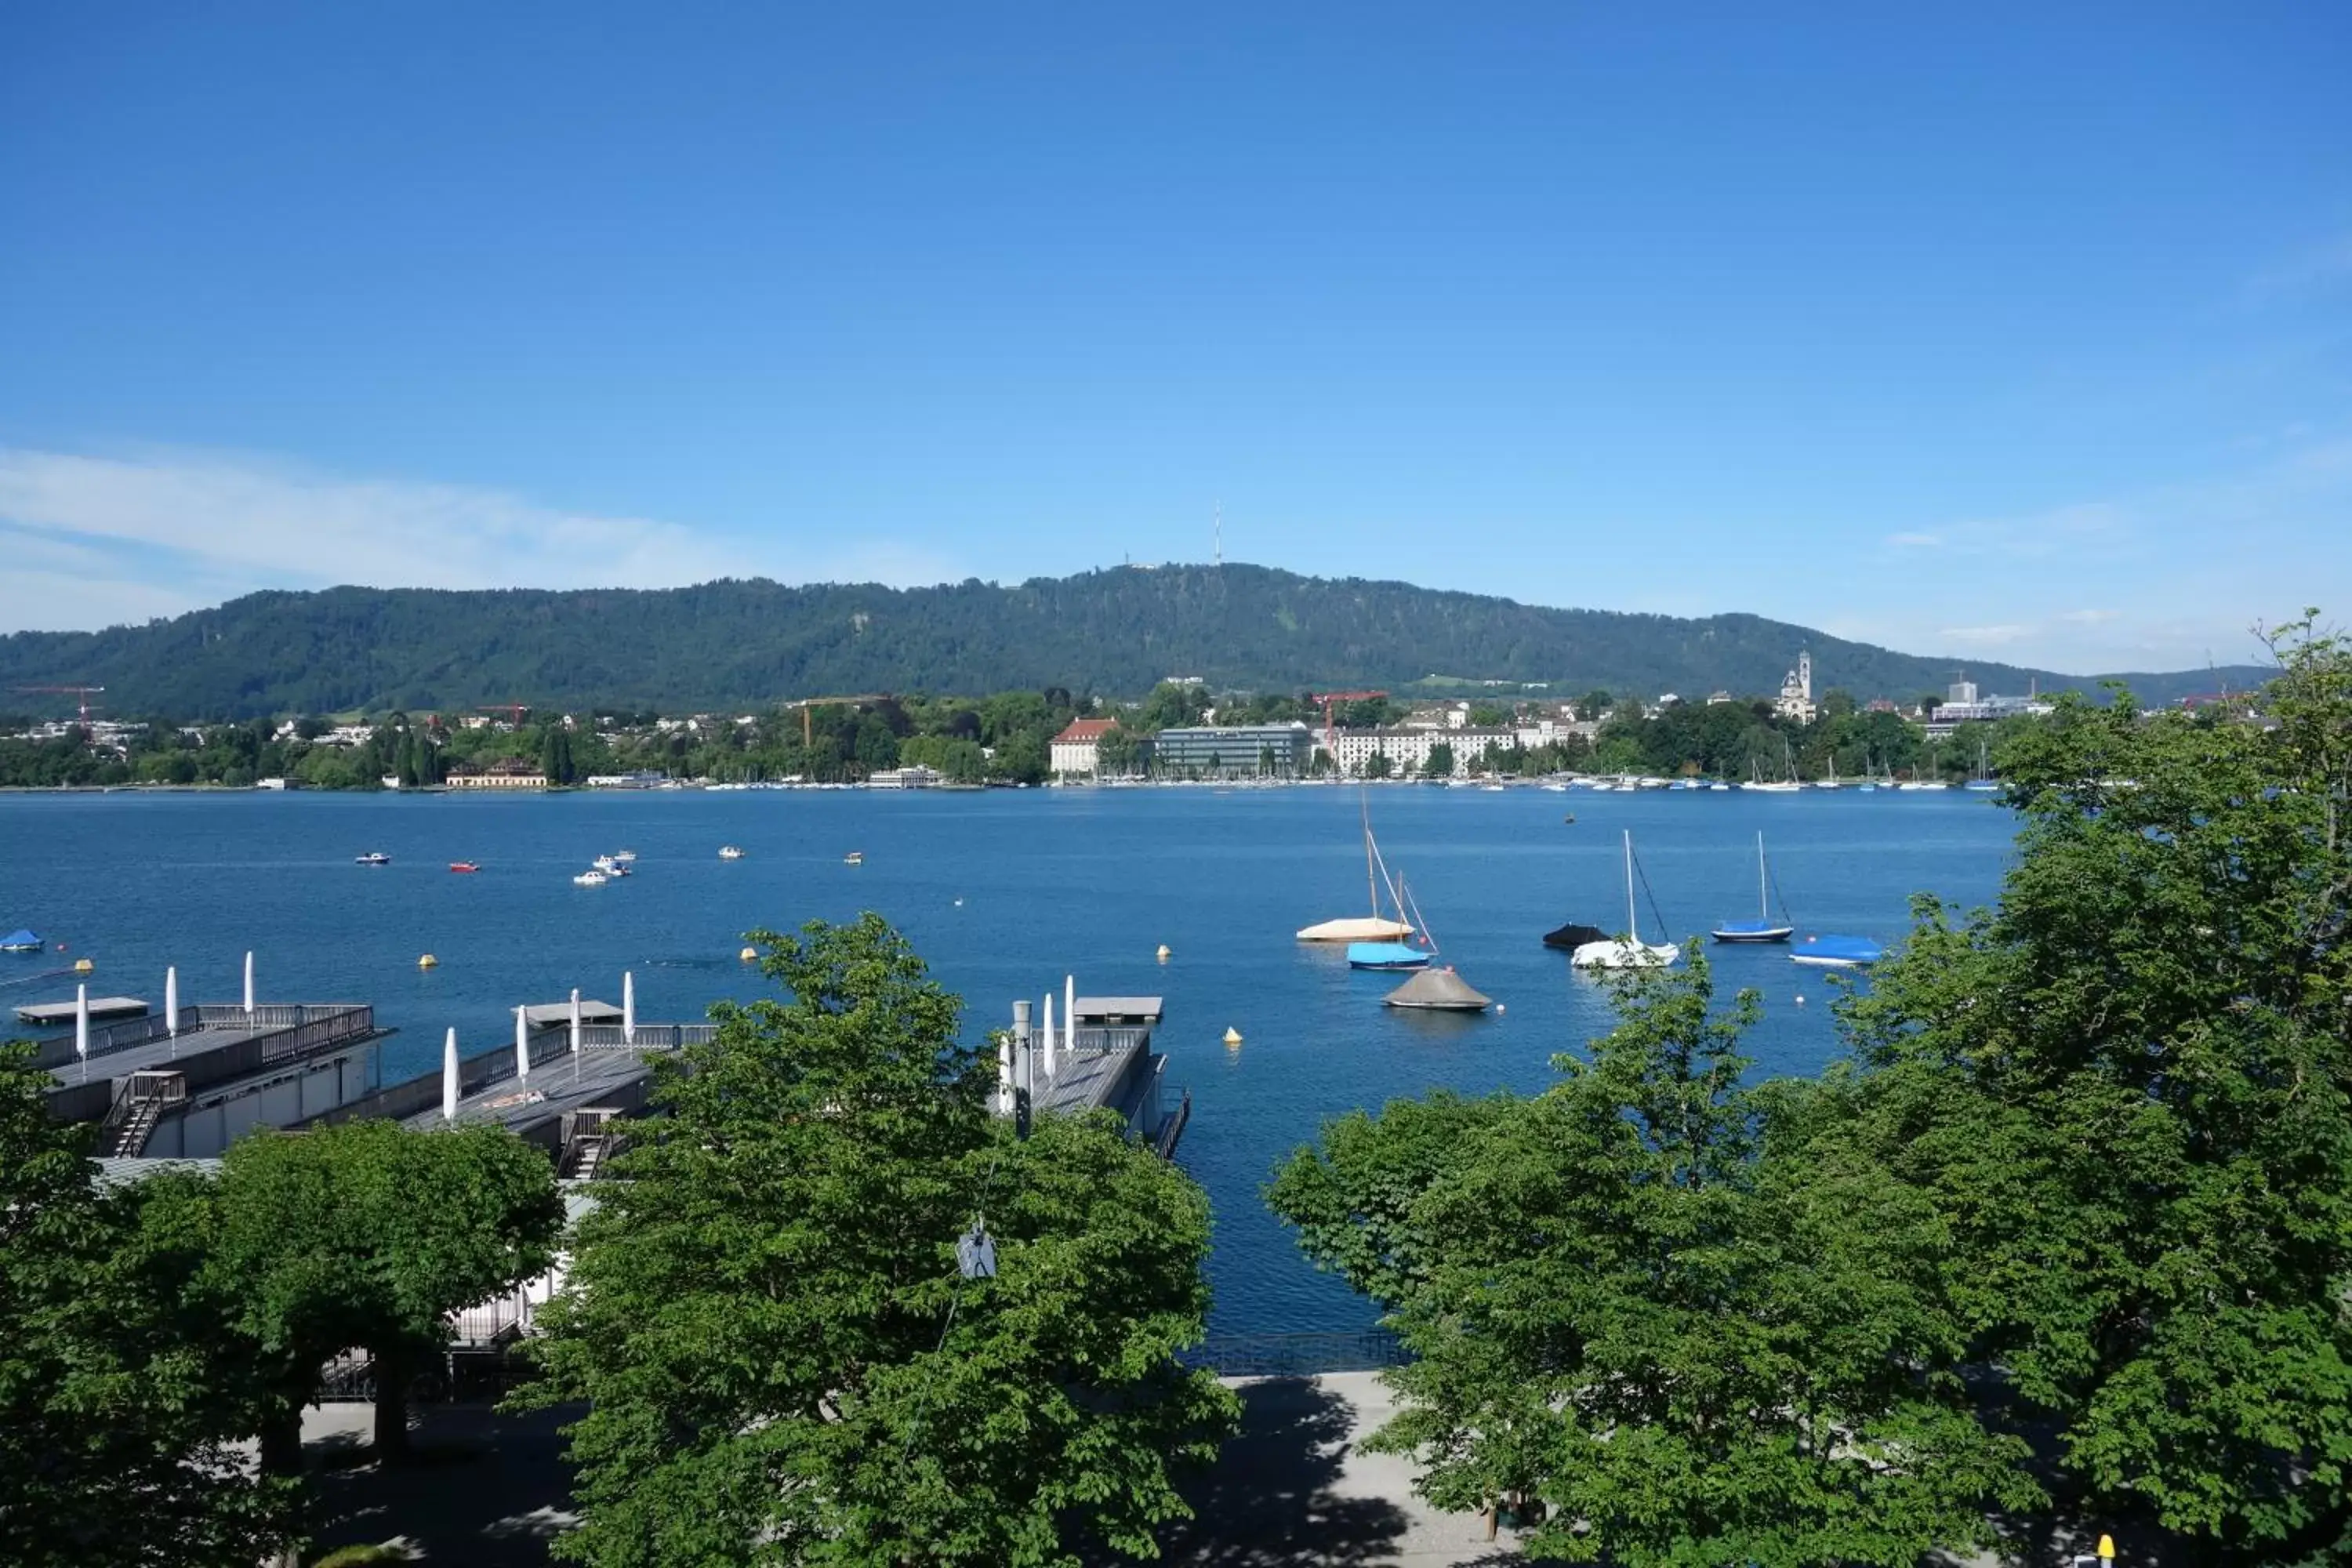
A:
[172,1001]
[1070,1016]
[1049,1034]
[522,1047]
[575,1020]
[449,1076]
[629,1008]
[248,985]
[81,1023]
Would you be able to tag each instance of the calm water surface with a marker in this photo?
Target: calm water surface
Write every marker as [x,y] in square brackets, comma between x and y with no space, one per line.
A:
[1003,893]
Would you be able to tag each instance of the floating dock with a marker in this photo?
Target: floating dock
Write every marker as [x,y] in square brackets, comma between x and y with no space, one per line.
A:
[60,1015]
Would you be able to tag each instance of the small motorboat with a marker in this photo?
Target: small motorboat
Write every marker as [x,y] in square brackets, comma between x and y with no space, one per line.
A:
[1571,936]
[1386,956]
[1838,951]
[854,858]
[1439,991]
[626,857]
[1569,817]
[468,866]
[590,878]
[730,852]
[605,864]
[372,857]
[21,940]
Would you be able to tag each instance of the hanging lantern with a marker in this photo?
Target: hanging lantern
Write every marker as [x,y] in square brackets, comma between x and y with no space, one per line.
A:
[976,1253]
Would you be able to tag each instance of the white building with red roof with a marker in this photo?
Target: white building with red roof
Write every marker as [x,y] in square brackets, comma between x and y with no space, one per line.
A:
[1074,748]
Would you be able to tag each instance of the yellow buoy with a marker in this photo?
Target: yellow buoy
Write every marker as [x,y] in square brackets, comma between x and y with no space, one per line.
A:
[2106,1548]
[83,966]
[1164,952]
[1233,1035]
[749,955]
[428,962]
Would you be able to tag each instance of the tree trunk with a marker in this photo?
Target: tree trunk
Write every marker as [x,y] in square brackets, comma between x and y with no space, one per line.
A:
[281,1441]
[395,1369]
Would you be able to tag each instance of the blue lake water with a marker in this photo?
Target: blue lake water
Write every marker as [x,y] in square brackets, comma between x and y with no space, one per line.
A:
[1004,893]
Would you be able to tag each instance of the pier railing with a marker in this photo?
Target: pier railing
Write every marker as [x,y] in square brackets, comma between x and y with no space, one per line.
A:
[649,1038]
[1297,1355]
[130,1032]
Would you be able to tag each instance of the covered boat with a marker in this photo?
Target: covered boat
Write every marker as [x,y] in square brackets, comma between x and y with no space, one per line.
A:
[1572,936]
[1439,991]
[1371,928]
[1386,956]
[20,941]
[1838,951]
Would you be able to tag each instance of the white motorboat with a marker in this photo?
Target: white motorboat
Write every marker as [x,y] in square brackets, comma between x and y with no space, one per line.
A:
[1628,952]
[591,880]
[729,852]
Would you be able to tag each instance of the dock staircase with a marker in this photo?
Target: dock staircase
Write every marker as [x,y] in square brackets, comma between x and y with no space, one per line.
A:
[588,1142]
[142,1102]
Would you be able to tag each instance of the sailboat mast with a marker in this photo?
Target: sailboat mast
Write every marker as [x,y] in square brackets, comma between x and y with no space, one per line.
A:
[1763,908]
[1371,880]
[1632,929]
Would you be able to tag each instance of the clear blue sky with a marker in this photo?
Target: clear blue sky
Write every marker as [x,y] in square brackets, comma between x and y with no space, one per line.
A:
[2019,332]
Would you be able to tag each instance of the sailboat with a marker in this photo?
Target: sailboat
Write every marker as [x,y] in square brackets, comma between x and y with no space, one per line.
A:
[1373,927]
[1632,952]
[1831,782]
[1785,784]
[1763,927]
[1404,953]
[1984,783]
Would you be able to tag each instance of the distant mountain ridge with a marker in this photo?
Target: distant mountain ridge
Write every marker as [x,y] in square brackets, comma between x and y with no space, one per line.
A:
[737,644]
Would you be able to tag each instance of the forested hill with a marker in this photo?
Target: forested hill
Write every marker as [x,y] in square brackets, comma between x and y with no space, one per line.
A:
[1116,632]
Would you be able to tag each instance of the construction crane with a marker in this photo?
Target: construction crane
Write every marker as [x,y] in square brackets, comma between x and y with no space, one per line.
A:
[809,705]
[1330,731]
[82,692]
[514,710]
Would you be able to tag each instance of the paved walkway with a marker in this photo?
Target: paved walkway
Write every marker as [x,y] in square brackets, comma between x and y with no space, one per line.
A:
[1290,1493]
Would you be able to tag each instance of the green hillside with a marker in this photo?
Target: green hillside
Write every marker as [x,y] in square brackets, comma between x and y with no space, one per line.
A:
[734,644]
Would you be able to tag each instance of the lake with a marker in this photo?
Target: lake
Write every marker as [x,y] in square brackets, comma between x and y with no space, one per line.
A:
[1002,893]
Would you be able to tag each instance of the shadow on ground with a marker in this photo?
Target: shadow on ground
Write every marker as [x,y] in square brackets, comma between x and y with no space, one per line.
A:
[1274,1498]
[481,1490]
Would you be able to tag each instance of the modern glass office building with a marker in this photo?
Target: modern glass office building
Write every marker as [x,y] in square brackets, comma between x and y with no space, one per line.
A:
[1240,751]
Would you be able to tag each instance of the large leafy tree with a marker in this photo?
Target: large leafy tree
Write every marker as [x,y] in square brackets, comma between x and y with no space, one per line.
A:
[367,1236]
[118,1409]
[2127,1091]
[783,1360]
[1635,1298]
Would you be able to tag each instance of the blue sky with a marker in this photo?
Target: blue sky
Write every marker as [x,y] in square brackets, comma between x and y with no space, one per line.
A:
[2017,332]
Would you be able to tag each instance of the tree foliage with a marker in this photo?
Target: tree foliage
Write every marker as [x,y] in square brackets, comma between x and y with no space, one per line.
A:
[1621,1303]
[117,1414]
[2129,1093]
[783,1361]
[730,645]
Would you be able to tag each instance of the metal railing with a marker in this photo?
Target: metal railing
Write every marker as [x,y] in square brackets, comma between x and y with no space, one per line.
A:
[649,1037]
[1297,1355]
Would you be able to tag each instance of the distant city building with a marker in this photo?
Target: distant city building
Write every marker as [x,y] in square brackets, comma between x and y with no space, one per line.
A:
[1408,750]
[1880,705]
[1974,710]
[913,776]
[1220,750]
[1796,700]
[499,775]
[1717,699]
[1961,693]
[1075,750]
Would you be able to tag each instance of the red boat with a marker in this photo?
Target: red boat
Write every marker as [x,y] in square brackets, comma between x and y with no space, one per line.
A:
[463,865]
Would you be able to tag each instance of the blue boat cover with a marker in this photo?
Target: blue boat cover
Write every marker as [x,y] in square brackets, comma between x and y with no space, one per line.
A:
[1839,949]
[20,938]
[1749,927]
[1385,955]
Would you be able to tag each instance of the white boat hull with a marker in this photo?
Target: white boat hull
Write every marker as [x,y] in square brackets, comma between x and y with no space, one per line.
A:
[1362,928]
[1617,955]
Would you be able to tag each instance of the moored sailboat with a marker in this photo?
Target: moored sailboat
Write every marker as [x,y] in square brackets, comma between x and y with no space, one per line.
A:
[1763,927]
[1629,951]
[1373,927]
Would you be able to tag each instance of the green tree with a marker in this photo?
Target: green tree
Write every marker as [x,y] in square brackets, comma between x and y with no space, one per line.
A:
[1171,707]
[1438,763]
[782,1361]
[1627,1301]
[368,1234]
[2127,1090]
[117,1410]
[1117,753]
[1593,705]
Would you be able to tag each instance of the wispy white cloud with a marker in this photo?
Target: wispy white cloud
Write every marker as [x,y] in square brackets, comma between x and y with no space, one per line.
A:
[2090,617]
[2315,266]
[1915,541]
[1986,637]
[119,538]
